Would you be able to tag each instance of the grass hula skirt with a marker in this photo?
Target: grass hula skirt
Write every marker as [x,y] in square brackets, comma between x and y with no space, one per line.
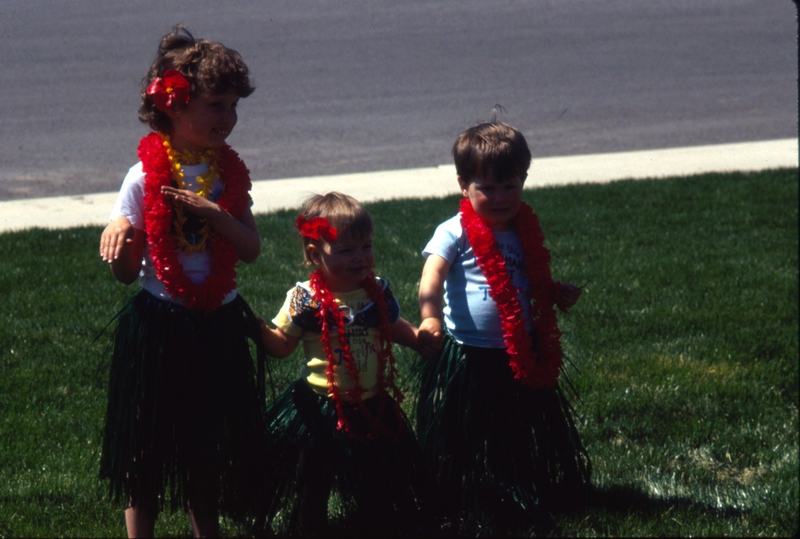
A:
[368,482]
[184,397]
[500,451]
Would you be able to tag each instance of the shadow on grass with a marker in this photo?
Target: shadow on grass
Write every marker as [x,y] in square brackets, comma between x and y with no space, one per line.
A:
[627,499]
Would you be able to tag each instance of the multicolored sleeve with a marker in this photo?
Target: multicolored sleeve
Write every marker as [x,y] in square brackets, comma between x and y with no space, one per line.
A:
[391,301]
[298,313]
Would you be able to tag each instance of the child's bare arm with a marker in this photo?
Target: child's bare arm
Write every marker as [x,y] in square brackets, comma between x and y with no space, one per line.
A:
[404,333]
[431,290]
[278,343]
[122,246]
[241,232]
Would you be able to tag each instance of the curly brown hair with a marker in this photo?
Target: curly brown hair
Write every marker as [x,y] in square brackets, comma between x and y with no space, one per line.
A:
[209,66]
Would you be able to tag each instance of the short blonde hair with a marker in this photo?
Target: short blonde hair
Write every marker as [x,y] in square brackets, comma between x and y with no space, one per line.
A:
[343,212]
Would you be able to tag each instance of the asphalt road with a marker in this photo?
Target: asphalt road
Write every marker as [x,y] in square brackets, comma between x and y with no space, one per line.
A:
[356,86]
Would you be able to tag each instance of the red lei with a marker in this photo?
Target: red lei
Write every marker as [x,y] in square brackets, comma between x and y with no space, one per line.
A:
[209,294]
[537,368]
[329,312]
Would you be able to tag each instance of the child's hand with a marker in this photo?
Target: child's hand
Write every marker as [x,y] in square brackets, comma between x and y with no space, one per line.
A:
[568,296]
[241,231]
[430,337]
[114,237]
[191,201]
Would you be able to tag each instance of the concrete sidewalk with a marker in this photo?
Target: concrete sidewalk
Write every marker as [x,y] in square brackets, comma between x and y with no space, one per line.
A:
[271,195]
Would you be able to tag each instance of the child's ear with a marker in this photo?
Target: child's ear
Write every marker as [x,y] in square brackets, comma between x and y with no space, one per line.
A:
[313,254]
[464,187]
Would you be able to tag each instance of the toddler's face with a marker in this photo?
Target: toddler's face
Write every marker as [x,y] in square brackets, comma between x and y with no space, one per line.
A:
[497,203]
[345,262]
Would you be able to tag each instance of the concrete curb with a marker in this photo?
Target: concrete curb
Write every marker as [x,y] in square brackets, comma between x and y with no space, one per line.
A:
[272,195]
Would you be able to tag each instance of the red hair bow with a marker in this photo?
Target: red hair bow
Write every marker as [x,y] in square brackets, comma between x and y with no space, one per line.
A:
[170,89]
[315,228]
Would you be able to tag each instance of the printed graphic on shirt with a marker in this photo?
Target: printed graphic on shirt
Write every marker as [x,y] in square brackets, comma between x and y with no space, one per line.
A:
[358,321]
[362,348]
[300,315]
[194,229]
[514,257]
[362,314]
[515,265]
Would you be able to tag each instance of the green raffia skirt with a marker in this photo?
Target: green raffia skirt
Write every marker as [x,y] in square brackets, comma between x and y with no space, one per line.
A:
[184,401]
[492,444]
[322,480]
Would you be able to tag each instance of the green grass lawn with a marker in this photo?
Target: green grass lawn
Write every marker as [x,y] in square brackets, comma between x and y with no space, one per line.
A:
[685,345]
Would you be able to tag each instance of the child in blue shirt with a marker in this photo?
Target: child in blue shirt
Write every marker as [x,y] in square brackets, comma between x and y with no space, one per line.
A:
[492,421]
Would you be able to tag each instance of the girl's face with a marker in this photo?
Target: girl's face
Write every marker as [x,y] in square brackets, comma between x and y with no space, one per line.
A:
[345,262]
[497,203]
[205,123]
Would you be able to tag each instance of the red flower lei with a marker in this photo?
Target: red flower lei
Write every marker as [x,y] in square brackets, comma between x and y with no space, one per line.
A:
[330,312]
[536,368]
[209,294]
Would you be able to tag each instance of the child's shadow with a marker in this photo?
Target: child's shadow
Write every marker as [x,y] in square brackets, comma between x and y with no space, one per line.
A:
[622,500]
[626,499]
[615,503]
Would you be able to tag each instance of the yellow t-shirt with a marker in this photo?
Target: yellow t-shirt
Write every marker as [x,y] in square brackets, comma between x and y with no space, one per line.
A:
[298,317]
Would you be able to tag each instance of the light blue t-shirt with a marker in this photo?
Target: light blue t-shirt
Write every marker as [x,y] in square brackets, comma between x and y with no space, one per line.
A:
[470,313]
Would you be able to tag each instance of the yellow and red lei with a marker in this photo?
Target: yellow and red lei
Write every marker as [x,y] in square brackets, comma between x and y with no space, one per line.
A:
[161,239]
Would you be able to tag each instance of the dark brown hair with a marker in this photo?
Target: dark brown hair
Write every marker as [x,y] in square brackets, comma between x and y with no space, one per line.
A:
[209,66]
[491,149]
[343,212]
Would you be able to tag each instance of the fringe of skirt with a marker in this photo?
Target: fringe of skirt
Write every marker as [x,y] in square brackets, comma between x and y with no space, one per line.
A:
[494,445]
[323,480]
[185,406]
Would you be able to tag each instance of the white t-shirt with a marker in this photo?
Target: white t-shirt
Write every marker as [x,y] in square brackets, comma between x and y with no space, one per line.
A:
[130,203]
[470,313]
